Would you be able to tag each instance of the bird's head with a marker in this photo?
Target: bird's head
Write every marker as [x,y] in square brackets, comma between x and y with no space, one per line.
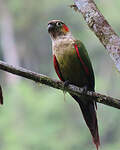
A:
[57,28]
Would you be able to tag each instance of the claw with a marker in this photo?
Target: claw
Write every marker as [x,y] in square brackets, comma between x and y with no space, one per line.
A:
[66,83]
[85,88]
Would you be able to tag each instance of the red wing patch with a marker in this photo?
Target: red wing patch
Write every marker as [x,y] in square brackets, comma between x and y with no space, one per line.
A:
[82,62]
[57,69]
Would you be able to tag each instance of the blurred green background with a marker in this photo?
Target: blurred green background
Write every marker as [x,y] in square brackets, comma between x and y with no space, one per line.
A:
[36,117]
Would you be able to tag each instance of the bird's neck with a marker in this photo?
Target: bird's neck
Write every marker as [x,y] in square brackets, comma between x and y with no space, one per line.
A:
[63,37]
[62,43]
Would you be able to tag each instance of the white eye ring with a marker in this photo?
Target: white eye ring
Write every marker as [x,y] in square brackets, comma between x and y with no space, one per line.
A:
[59,24]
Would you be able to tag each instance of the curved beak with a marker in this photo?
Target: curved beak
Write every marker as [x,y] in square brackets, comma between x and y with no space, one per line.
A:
[50,27]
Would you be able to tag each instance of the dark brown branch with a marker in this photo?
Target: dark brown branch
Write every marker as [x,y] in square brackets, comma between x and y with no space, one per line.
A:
[99,25]
[59,85]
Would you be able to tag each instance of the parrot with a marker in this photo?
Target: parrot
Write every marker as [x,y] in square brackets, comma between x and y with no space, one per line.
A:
[72,65]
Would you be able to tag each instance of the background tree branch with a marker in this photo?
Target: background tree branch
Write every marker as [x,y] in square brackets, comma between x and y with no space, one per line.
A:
[99,25]
[59,85]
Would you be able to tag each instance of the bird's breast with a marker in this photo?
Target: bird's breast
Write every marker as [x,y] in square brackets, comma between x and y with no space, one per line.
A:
[64,52]
[68,61]
[62,46]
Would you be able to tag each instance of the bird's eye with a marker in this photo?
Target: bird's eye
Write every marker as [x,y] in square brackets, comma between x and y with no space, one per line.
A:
[59,24]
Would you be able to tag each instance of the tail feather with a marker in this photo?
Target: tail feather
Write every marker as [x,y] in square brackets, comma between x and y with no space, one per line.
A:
[89,114]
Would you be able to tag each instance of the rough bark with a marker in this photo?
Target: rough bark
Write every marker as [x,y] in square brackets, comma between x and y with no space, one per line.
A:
[99,25]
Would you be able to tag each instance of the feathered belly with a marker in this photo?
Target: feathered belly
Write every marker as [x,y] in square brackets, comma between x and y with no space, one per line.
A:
[71,68]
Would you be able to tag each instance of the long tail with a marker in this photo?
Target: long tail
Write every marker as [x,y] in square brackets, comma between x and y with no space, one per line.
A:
[89,114]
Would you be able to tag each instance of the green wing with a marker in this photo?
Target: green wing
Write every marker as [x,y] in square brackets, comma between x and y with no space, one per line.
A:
[86,63]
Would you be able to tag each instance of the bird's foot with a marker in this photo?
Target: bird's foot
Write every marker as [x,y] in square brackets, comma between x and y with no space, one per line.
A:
[85,88]
[66,83]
